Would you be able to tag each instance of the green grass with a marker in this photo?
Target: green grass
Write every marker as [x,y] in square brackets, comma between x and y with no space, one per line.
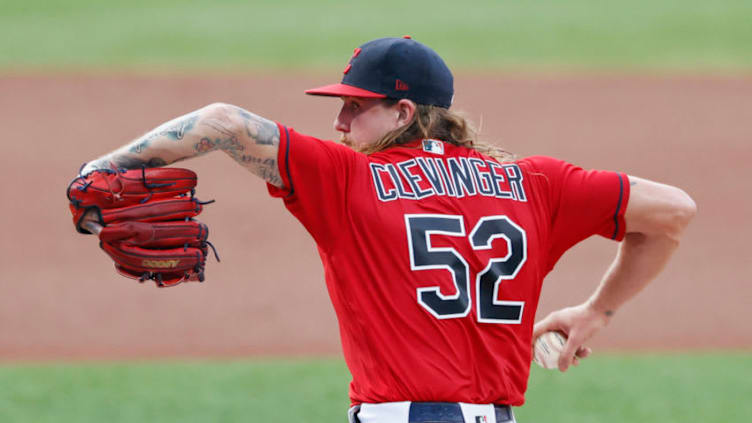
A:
[242,391]
[614,389]
[211,34]
[645,388]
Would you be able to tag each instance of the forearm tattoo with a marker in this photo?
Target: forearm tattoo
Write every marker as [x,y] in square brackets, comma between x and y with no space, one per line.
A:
[139,153]
[173,130]
[250,140]
[260,131]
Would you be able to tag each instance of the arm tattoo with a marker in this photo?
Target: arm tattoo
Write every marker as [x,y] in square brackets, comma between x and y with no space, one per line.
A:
[181,127]
[137,154]
[261,160]
[140,146]
[175,131]
[263,131]
[124,162]
[229,145]
[265,167]
[250,140]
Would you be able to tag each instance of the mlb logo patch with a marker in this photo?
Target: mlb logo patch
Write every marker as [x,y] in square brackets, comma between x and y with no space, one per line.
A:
[433,146]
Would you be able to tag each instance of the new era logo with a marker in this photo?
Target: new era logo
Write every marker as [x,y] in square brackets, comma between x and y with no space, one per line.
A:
[401,85]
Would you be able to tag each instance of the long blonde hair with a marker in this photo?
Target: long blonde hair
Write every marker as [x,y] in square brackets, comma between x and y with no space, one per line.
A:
[437,123]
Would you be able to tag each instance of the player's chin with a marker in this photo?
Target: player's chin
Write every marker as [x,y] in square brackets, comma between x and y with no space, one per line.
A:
[344,139]
[359,147]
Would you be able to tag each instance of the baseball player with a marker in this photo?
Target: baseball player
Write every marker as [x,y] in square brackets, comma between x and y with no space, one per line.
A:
[434,246]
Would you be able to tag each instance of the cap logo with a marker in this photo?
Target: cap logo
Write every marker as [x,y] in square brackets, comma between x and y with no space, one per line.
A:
[356,52]
[401,86]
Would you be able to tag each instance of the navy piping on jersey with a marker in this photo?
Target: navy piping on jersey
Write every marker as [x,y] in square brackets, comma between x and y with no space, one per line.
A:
[618,207]
[287,161]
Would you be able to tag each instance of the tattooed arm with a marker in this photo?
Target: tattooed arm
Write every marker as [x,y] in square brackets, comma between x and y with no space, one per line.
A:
[250,140]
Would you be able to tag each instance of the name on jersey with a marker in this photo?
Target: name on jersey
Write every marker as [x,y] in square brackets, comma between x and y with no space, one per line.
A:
[457,177]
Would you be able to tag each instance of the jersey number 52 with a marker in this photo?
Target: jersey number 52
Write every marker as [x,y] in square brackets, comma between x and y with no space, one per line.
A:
[424,256]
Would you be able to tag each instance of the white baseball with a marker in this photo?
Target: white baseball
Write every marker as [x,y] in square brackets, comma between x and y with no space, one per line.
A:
[547,348]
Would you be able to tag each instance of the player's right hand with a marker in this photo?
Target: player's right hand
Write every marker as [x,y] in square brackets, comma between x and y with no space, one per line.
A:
[579,324]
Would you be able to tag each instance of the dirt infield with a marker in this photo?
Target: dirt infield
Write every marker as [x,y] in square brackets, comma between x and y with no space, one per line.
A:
[61,298]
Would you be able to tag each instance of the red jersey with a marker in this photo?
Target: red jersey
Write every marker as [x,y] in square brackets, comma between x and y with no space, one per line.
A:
[434,257]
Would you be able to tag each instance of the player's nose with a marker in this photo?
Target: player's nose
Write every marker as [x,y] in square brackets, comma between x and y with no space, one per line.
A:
[340,124]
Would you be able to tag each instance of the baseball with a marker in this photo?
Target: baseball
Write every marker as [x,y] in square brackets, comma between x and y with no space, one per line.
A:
[547,348]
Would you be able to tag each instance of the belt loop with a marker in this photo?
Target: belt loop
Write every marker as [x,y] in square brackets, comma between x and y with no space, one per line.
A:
[503,414]
[352,414]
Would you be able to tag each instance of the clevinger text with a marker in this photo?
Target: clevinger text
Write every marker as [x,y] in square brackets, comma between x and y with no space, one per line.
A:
[458,177]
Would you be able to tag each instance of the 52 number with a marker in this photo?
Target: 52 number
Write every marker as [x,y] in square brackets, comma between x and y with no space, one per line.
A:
[424,256]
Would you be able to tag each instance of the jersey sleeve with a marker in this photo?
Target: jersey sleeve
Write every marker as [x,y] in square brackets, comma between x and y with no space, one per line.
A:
[582,203]
[315,174]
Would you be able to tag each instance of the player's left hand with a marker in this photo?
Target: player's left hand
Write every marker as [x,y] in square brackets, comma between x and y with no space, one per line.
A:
[144,221]
[579,324]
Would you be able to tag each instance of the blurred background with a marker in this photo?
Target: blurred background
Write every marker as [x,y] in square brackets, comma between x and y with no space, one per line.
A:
[661,90]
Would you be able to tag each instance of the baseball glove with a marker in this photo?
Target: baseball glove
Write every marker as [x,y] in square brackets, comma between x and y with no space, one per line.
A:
[145,221]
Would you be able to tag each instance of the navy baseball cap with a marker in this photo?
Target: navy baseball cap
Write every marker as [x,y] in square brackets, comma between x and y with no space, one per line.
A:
[395,68]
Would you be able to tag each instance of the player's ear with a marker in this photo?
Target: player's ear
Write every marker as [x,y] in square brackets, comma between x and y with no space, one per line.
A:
[406,109]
